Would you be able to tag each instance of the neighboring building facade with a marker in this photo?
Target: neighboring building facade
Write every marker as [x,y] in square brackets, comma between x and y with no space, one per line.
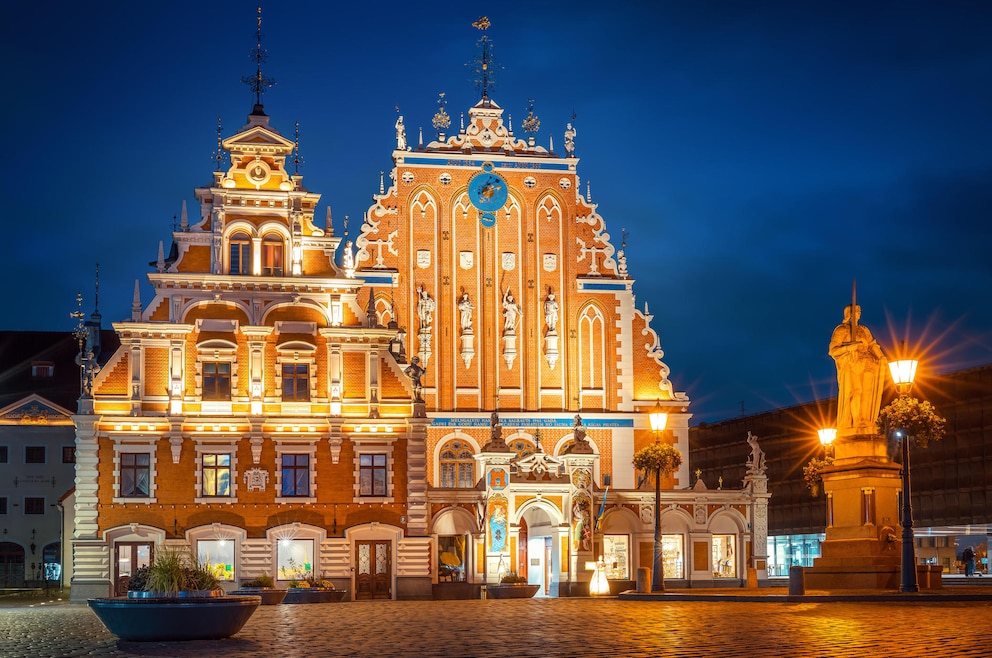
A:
[38,392]
[952,481]
[455,395]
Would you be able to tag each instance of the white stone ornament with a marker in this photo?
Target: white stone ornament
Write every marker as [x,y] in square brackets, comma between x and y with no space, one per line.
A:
[466,259]
[423,258]
[550,262]
[509,261]
[256,478]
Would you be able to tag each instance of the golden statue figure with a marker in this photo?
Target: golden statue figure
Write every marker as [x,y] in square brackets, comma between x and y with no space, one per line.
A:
[860,374]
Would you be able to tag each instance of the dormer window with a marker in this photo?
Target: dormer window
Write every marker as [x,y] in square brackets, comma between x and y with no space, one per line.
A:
[42,369]
[272,255]
[240,253]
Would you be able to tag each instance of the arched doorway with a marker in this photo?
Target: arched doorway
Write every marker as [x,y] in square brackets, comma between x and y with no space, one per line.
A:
[11,564]
[542,549]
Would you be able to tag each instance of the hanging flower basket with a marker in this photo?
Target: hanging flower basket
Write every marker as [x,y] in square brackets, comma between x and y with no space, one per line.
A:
[812,474]
[916,419]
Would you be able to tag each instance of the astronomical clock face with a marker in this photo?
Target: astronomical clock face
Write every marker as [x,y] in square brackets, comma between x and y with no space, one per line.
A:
[488,192]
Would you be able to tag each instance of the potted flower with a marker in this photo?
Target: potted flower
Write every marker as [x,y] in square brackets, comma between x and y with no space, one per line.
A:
[913,418]
[179,599]
[306,587]
[264,587]
[512,586]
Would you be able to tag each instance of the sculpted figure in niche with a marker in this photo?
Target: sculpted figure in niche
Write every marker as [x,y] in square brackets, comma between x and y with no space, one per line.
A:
[425,308]
[465,313]
[511,311]
[860,374]
[551,312]
[348,257]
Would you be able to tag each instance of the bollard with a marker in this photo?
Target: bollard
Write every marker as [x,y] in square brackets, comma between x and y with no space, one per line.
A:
[643,580]
[797,581]
[752,578]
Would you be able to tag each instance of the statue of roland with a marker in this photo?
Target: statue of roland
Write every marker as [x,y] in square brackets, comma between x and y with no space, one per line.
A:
[860,374]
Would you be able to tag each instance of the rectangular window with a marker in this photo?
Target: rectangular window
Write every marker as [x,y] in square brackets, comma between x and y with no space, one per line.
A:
[295,382]
[217,475]
[616,556]
[294,558]
[217,555]
[34,505]
[68,454]
[372,475]
[295,475]
[216,380]
[451,558]
[34,454]
[3,454]
[42,369]
[672,560]
[3,505]
[135,474]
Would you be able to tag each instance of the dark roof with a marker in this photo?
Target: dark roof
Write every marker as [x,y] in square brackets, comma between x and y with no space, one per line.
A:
[20,349]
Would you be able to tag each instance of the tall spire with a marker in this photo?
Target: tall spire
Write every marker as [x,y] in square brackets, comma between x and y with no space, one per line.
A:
[484,68]
[184,218]
[258,83]
[297,158]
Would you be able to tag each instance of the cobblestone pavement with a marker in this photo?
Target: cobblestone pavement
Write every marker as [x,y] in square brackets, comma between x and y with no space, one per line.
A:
[536,627]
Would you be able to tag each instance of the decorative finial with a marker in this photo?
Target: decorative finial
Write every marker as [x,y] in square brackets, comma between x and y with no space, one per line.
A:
[328,226]
[183,218]
[623,238]
[220,152]
[509,123]
[531,123]
[346,226]
[258,83]
[96,291]
[484,64]
[441,120]
[136,303]
[588,191]
[382,182]
[297,158]
[461,121]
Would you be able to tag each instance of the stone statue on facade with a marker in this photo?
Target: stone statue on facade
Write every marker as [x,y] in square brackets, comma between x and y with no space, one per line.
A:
[425,308]
[415,372]
[551,312]
[756,461]
[511,310]
[860,374]
[400,134]
[465,313]
[569,140]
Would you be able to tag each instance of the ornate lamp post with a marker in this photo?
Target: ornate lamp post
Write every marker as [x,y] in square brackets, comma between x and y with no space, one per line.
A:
[659,419]
[903,373]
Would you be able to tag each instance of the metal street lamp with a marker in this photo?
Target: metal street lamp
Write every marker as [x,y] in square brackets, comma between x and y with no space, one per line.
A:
[659,419]
[903,374]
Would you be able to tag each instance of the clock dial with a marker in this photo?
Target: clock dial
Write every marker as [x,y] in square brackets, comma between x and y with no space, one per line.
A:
[487,191]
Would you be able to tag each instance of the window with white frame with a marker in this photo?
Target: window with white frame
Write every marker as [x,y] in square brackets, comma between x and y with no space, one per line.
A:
[215,474]
[135,472]
[216,380]
[372,475]
[296,473]
[272,255]
[294,558]
[295,370]
[217,555]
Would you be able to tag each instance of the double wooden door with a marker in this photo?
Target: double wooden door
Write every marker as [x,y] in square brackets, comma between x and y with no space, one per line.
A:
[374,577]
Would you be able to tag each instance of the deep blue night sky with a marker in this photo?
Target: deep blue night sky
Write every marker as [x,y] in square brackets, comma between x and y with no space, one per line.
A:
[760,154]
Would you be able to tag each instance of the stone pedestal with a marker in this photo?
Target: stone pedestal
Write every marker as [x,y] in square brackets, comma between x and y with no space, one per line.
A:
[467,347]
[862,548]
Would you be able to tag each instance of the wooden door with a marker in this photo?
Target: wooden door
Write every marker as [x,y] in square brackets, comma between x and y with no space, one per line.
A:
[374,577]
